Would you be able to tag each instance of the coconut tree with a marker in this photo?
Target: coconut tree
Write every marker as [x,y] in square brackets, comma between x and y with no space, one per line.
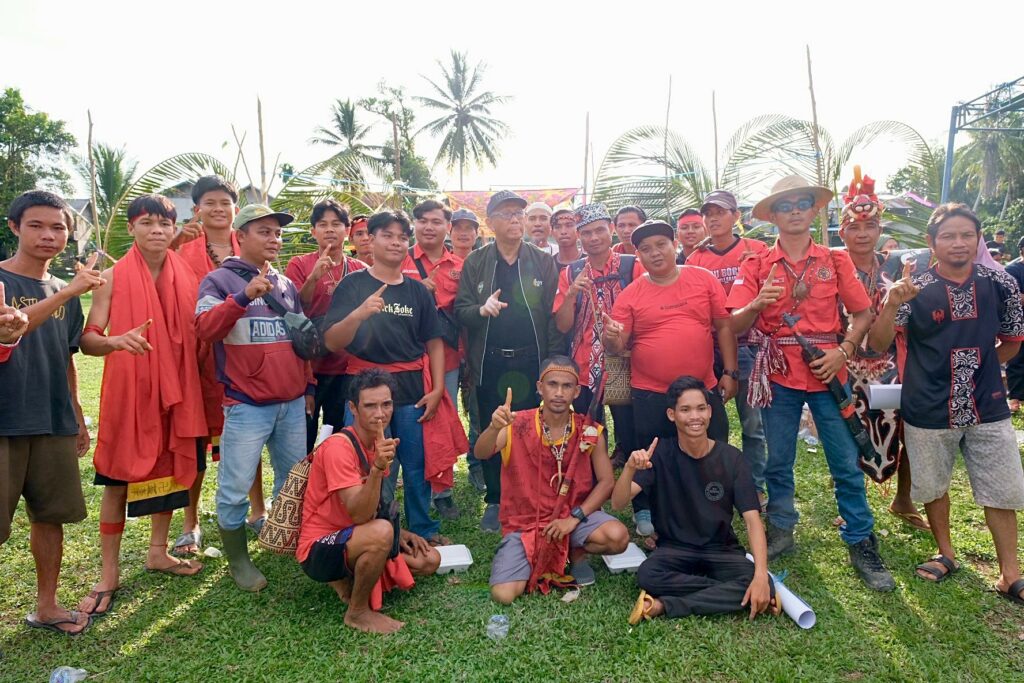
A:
[115,173]
[469,132]
[991,162]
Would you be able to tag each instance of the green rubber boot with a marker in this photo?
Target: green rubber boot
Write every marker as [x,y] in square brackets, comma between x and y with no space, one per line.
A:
[243,571]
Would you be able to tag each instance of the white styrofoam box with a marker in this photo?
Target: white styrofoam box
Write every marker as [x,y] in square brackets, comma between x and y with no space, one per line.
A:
[454,558]
[628,561]
[884,396]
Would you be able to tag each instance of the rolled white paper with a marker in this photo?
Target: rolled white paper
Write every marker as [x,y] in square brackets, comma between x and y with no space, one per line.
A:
[794,607]
[884,396]
[325,432]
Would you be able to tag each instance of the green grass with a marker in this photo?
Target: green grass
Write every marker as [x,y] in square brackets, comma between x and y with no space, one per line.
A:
[203,628]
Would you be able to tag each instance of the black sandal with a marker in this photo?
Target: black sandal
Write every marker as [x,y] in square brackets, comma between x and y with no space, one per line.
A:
[1013,595]
[940,576]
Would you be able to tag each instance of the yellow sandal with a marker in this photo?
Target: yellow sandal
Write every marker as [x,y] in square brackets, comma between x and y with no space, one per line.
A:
[641,609]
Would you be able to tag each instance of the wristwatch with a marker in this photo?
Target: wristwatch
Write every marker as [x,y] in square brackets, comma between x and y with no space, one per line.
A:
[578,513]
[735,374]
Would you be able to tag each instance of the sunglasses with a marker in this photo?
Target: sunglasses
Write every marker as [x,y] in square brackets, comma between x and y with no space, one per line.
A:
[786,206]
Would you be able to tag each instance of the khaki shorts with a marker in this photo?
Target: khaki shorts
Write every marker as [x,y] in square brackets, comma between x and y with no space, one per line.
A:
[43,470]
[990,454]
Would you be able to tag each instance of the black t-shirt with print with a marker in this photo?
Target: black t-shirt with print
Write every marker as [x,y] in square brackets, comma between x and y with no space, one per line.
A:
[34,395]
[513,327]
[398,334]
[692,499]
[952,378]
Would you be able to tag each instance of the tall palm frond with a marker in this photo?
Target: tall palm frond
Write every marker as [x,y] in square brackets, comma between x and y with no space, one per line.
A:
[162,177]
[469,132]
[633,171]
[769,147]
[114,175]
[919,154]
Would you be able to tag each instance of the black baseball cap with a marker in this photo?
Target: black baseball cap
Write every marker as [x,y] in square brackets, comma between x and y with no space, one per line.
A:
[649,228]
[501,196]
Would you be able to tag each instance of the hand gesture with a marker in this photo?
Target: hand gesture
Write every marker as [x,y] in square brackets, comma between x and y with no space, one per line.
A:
[429,283]
[87,278]
[13,323]
[770,292]
[558,529]
[322,265]
[613,330]
[132,341]
[373,305]
[493,306]
[759,595]
[385,449]
[259,285]
[580,284]
[903,290]
[503,415]
[192,230]
[412,544]
[641,459]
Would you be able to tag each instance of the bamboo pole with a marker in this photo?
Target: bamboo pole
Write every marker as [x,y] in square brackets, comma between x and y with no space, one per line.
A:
[714,123]
[241,154]
[819,162]
[263,156]
[92,188]
[586,158]
[664,151]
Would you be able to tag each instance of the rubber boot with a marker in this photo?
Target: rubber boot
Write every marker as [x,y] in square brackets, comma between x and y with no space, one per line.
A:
[243,571]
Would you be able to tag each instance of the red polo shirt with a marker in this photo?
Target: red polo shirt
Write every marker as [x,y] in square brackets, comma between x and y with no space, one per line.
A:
[831,278]
[446,286]
[298,271]
[581,354]
[672,327]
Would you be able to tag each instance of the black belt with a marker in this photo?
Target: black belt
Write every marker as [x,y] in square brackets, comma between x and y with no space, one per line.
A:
[523,351]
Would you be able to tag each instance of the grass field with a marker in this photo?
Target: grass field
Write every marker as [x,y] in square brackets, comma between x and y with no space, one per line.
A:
[204,629]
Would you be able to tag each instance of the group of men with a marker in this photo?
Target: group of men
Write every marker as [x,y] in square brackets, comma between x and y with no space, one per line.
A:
[209,348]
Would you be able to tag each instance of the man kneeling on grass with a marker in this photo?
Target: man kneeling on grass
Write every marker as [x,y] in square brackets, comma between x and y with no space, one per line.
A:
[693,483]
[345,539]
[555,476]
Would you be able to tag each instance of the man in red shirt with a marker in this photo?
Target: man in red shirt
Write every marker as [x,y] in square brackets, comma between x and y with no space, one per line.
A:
[690,231]
[316,275]
[433,264]
[723,256]
[344,540]
[626,221]
[362,242]
[800,277]
[587,290]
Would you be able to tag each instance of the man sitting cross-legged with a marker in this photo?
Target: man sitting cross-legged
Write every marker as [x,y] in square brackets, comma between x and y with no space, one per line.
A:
[693,483]
[342,540]
[555,476]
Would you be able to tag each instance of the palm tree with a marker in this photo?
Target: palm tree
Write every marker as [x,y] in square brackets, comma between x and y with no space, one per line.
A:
[115,173]
[345,131]
[470,133]
[991,162]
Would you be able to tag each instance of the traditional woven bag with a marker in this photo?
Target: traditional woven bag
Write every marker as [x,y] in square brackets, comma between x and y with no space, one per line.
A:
[280,533]
[616,379]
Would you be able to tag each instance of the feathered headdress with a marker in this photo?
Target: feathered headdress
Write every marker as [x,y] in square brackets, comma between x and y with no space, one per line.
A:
[861,202]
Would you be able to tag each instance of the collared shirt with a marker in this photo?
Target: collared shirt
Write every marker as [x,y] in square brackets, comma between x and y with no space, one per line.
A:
[830,277]
[446,285]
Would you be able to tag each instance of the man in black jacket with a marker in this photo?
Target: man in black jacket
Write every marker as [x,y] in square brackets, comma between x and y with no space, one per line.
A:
[505,299]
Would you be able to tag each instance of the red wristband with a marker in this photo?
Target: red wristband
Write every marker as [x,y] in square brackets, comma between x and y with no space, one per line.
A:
[94,328]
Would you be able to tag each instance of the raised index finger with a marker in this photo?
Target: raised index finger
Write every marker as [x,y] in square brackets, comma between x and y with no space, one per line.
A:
[508,398]
[906,269]
[380,292]
[650,449]
[265,269]
[380,430]
[771,273]
[90,264]
[3,296]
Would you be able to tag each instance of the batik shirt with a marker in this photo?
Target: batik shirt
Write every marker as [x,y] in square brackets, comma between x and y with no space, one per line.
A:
[952,376]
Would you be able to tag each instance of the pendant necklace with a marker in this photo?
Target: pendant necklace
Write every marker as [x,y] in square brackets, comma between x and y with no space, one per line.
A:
[800,288]
[558,451]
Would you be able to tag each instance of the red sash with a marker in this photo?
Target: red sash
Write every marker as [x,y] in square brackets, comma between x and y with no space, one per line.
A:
[151,409]
[444,439]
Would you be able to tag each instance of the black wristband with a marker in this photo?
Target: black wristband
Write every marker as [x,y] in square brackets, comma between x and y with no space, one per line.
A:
[578,513]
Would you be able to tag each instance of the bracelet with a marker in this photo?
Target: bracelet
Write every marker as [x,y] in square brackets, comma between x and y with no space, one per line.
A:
[843,351]
[94,328]
[11,346]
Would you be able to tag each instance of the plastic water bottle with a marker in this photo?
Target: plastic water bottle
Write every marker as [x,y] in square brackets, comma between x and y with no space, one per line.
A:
[67,674]
[497,627]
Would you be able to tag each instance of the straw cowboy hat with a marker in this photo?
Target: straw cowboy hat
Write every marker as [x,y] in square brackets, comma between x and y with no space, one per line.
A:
[790,185]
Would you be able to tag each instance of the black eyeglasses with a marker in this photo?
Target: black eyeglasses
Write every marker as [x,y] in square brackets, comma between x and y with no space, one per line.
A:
[785,206]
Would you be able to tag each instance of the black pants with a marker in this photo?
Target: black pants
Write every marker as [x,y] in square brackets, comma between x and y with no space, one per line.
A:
[520,372]
[692,582]
[1015,376]
[622,416]
[330,398]
[649,421]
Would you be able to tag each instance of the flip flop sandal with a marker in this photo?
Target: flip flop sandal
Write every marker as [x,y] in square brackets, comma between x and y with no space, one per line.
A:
[176,569]
[914,519]
[98,597]
[1013,595]
[55,624]
[641,608]
[940,576]
[186,539]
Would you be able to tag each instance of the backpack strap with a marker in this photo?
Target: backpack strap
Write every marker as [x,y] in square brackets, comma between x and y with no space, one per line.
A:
[626,264]
[269,298]
[347,431]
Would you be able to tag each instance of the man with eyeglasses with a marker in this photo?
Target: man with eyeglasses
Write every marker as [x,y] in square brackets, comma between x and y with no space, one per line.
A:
[805,279]
[505,299]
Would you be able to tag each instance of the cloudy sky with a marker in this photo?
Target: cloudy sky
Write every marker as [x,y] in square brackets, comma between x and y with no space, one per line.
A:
[174,77]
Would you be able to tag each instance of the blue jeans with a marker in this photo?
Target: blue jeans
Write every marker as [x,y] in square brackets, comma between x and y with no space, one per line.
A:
[750,420]
[404,426]
[781,424]
[281,427]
